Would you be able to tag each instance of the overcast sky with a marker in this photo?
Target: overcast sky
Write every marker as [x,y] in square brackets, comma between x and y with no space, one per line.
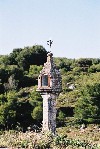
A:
[73,25]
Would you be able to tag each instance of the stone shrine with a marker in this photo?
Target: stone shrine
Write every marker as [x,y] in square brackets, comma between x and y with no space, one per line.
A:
[49,86]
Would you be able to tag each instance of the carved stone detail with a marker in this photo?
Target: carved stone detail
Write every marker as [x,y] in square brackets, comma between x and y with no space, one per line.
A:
[49,86]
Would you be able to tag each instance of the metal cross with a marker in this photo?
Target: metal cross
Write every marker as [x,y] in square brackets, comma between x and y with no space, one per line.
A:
[49,42]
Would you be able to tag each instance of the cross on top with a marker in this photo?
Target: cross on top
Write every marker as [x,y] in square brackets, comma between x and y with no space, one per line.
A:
[49,42]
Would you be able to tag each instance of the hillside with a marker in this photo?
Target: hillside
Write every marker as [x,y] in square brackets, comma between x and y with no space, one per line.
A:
[21,105]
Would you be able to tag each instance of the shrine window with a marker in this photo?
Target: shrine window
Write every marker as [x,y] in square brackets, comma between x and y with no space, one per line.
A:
[44,80]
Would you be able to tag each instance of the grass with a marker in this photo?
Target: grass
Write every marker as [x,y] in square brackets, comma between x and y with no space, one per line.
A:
[67,138]
[91,133]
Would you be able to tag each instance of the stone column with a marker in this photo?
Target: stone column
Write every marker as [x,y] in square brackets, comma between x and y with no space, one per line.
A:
[49,112]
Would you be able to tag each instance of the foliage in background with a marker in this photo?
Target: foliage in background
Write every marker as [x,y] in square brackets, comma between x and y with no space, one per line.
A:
[21,105]
[87,107]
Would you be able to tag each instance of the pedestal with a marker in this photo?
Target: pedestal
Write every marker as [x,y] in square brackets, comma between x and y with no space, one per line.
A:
[49,112]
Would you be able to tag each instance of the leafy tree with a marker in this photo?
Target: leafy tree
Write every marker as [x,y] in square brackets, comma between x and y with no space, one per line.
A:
[61,115]
[8,110]
[77,69]
[36,102]
[35,55]
[2,115]
[34,70]
[60,118]
[2,99]
[16,77]
[87,107]
[17,72]
[3,75]
[4,60]
[84,62]
[98,67]
[64,65]
[96,61]
[23,113]
[86,110]
[35,98]
[94,68]
[1,88]
[13,56]
[37,113]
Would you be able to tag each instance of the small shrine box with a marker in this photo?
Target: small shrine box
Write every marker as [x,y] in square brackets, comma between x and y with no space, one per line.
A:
[49,79]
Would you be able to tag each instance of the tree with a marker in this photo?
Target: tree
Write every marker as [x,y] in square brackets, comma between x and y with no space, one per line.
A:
[8,110]
[60,118]
[34,70]
[96,61]
[87,107]
[35,98]
[2,99]
[23,113]
[4,60]
[64,65]
[1,88]
[16,77]
[94,68]
[35,55]
[3,75]
[13,56]
[36,102]
[37,113]
[84,62]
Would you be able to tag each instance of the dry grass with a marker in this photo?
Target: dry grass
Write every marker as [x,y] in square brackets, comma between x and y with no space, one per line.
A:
[91,133]
[31,140]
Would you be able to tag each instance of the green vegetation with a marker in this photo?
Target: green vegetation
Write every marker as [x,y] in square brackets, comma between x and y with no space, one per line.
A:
[88,106]
[21,105]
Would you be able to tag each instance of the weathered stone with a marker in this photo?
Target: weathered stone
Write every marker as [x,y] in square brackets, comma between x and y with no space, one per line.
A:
[51,75]
[49,86]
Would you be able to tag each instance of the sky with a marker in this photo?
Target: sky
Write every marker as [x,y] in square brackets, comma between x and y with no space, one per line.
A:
[73,25]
